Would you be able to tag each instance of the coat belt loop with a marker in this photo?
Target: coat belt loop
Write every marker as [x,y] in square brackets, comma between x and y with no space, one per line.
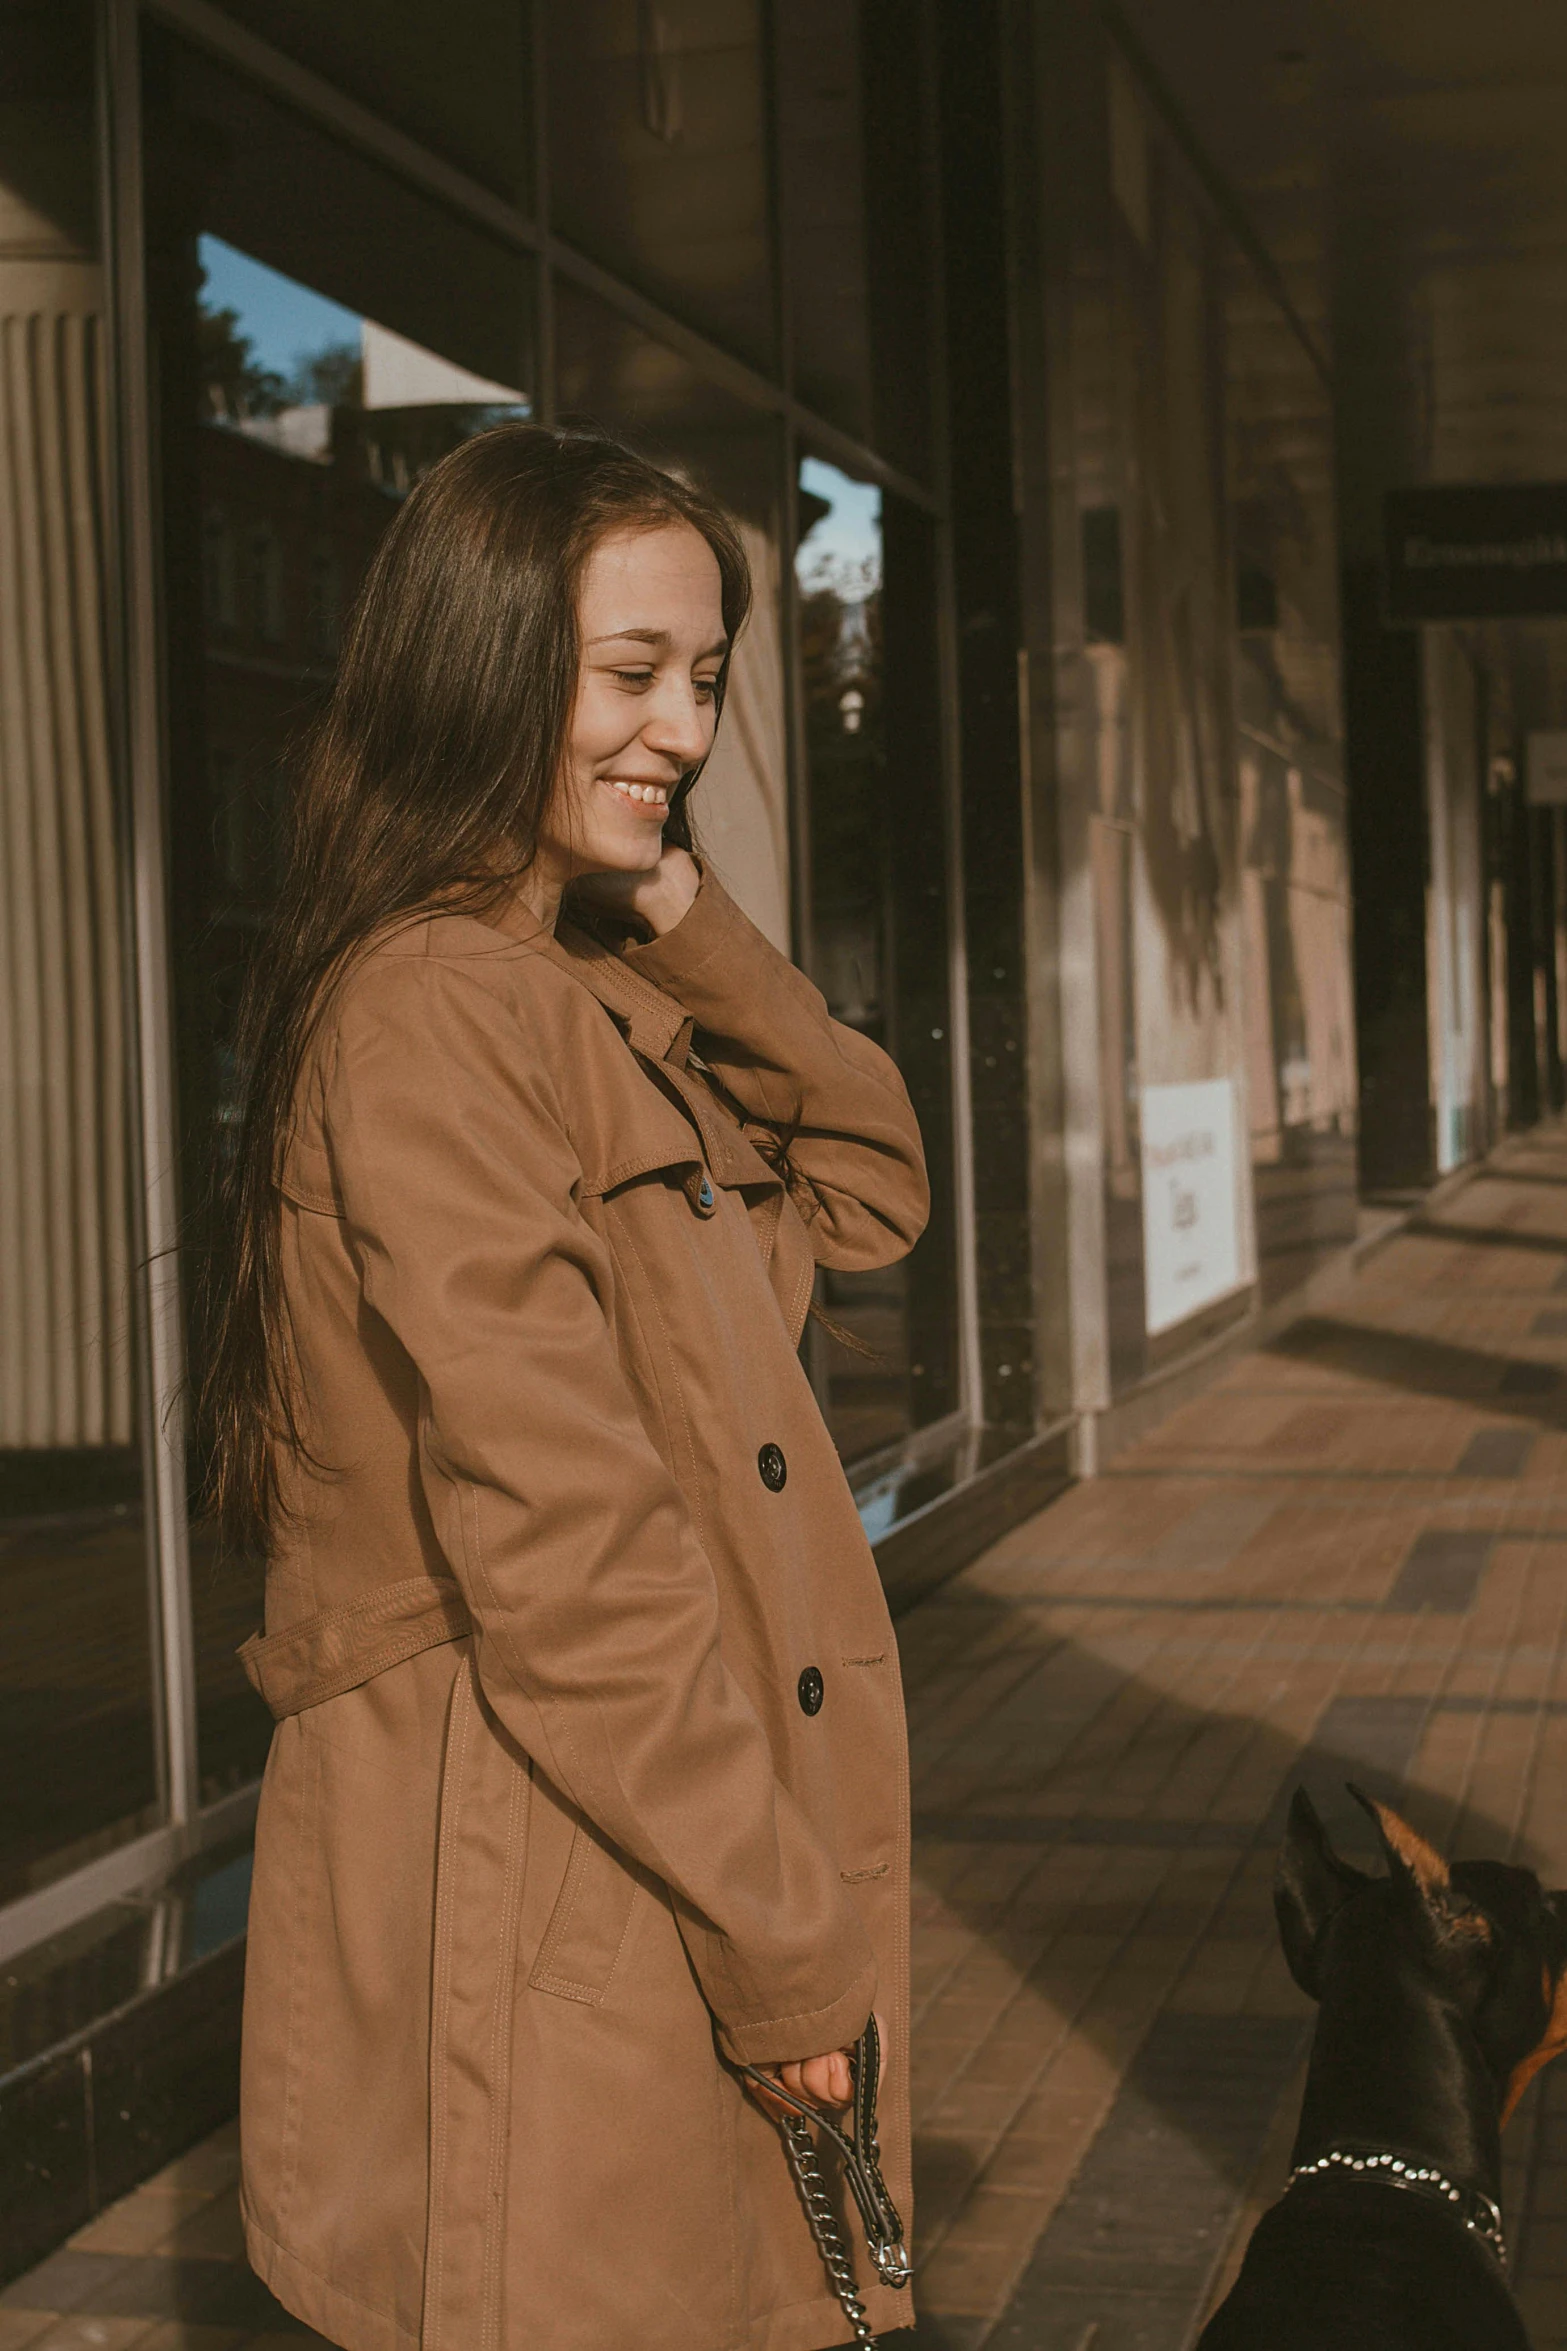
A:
[339,1648]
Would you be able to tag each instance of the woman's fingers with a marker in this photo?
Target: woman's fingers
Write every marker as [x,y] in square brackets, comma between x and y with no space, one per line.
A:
[821,2081]
[827,2080]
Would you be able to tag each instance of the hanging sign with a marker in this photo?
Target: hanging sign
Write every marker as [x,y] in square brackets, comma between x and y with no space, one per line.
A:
[1476,551]
[1191,1253]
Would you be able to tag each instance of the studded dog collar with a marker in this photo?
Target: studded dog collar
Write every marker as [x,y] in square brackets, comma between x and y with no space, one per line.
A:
[1480,2216]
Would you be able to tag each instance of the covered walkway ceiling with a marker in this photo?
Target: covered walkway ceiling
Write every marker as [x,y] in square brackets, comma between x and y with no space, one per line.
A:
[1405,162]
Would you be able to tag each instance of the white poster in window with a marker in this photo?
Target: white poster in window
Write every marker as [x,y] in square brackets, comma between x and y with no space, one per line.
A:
[1191,1251]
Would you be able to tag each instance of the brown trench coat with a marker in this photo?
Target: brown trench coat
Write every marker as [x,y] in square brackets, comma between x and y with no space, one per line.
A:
[547,1831]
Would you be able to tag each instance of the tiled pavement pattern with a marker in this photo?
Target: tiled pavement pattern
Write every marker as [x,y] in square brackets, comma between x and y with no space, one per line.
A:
[1349,1557]
[163,2270]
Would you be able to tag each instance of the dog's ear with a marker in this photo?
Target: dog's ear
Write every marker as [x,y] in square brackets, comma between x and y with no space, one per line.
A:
[1420,1871]
[1311,1883]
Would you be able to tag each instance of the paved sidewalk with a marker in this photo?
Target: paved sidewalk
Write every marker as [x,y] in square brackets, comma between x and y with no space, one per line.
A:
[1345,1559]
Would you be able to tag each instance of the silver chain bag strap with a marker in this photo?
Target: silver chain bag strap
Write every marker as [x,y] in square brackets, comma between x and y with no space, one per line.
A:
[861,2159]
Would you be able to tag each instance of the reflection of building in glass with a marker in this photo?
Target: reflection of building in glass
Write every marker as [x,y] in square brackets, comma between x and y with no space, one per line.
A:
[297,472]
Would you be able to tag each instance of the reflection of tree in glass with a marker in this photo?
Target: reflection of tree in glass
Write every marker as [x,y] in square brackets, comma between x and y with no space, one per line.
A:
[234,384]
[237,389]
[334,377]
[840,646]
[841,662]
[852,924]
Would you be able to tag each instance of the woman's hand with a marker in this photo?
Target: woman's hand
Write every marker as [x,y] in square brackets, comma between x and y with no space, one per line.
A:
[660,896]
[824,2081]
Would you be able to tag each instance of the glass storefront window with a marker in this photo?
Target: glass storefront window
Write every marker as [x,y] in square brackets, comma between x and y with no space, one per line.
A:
[658,156]
[322,334]
[77,1768]
[1155,709]
[866,578]
[857,261]
[457,78]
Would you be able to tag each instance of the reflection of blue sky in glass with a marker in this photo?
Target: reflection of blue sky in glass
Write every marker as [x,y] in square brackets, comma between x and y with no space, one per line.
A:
[842,550]
[285,321]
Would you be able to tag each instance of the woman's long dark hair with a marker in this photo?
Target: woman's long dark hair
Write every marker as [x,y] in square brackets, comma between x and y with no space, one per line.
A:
[424,784]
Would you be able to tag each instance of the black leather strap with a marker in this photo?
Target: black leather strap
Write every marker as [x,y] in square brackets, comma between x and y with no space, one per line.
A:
[861,2156]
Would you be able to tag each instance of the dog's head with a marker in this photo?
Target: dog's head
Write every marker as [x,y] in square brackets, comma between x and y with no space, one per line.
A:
[1486,1933]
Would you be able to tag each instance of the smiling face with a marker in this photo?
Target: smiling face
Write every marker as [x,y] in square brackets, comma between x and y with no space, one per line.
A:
[651,627]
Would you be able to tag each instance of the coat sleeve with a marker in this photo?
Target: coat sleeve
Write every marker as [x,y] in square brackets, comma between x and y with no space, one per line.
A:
[856,1167]
[594,1604]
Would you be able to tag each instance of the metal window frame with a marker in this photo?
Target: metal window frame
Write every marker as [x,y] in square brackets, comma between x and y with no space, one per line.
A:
[962,1427]
[131,1870]
[136,599]
[964,1206]
[189,1827]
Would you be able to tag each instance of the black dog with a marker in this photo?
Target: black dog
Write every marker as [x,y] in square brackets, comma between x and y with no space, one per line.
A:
[1442,1992]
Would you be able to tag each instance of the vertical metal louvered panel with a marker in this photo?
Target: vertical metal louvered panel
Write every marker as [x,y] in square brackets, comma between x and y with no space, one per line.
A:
[65,1357]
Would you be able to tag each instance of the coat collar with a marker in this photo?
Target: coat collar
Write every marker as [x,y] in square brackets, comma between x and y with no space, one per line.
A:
[659,1030]
[655,1025]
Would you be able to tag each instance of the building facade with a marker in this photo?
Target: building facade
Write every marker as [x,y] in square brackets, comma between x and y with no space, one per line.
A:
[1033,758]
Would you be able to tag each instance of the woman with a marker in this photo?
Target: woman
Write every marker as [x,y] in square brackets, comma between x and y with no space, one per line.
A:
[589,1778]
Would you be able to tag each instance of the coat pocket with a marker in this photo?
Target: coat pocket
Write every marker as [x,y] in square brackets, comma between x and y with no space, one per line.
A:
[590,1922]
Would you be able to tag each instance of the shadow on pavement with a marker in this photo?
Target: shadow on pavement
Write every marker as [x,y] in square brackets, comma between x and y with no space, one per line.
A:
[1515,1385]
[1479,1236]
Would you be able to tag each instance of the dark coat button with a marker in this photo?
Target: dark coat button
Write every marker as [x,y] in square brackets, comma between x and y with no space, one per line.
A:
[704,1197]
[774,1468]
[812,1690]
